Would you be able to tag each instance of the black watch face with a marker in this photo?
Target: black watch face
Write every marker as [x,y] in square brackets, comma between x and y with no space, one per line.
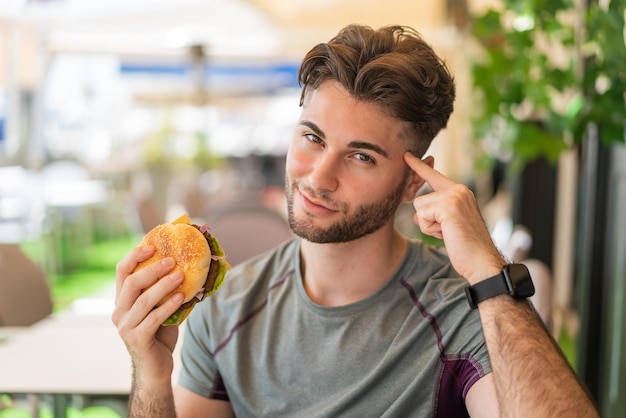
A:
[522,281]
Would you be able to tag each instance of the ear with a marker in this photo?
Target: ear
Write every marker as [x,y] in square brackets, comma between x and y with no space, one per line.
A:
[416,182]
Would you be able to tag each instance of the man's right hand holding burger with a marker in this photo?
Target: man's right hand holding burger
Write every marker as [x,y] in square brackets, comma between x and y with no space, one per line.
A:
[157,285]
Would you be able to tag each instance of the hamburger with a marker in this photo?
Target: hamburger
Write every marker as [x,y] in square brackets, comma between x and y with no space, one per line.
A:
[196,253]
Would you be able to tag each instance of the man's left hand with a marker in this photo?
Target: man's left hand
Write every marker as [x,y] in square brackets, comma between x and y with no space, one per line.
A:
[451,213]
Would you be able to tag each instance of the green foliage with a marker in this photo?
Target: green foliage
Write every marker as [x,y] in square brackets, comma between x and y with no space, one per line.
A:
[604,81]
[542,78]
[72,412]
[96,270]
[567,343]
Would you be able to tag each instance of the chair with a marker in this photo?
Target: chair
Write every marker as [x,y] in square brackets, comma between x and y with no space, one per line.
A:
[149,214]
[24,290]
[245,231]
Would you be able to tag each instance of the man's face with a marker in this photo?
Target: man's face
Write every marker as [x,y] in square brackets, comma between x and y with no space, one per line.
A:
[345,173]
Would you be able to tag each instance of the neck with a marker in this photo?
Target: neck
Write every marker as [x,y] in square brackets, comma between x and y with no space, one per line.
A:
[344,273]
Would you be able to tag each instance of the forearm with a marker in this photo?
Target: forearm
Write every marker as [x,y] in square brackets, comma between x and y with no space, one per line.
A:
[150,400]
[532,376]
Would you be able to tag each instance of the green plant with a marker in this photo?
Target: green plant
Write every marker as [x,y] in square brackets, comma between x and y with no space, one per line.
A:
[95,270]
[169,146]
[547,70]
[604,77]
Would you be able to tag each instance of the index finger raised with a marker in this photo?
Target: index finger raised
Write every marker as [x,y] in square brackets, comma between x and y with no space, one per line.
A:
[434,178]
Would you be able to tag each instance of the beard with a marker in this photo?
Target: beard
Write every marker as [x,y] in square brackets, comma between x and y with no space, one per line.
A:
[365,219]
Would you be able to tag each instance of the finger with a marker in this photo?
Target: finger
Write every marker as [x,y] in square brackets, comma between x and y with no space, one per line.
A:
[127,265]
[428,226]
[435,179]
[133,285]
[135,305]
[152,297]
[138,332]
[433,210]
[157,316]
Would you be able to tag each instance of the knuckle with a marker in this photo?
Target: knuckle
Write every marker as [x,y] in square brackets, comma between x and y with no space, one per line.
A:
[125,333]
[156,267]
[122,331]
[461,193]
[119,268]
[463,190]
[153,320]
[115,317]
[143,302]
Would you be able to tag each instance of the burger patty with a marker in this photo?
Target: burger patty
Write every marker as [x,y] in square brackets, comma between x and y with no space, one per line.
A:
[213,269]
[215,264]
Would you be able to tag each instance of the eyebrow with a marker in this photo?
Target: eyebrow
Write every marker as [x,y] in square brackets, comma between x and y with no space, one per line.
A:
[313,127]
[351,144]
[368,146]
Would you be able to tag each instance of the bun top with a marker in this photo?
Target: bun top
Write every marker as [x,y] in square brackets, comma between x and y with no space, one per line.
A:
[189,248]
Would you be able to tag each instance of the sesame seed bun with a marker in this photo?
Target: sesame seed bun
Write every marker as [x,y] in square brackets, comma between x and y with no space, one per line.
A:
[196,253]
[190,250]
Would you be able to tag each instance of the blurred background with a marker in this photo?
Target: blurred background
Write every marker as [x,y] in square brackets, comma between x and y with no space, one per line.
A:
[117,116]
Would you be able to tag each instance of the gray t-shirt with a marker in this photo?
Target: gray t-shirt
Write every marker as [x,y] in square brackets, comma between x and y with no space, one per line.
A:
[414,348]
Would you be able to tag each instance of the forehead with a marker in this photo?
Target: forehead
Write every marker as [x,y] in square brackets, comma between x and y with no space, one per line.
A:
[340,115]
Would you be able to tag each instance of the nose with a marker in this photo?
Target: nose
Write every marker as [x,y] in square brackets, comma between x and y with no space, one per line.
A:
[324,174]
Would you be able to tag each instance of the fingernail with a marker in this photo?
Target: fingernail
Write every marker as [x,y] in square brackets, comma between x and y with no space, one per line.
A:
[167,262]
[147,248]
[177,298]
[177,275]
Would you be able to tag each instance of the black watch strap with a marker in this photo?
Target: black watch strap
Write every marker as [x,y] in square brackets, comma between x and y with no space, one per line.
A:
[488,288]
[513,280]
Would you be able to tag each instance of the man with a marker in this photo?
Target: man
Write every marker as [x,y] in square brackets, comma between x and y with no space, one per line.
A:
[350,318]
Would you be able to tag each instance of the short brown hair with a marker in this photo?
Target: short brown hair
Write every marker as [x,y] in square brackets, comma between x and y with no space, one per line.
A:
[392,67]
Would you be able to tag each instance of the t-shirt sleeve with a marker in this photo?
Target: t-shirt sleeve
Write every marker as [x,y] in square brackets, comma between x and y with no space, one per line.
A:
[458,327]
[199,372]
[463,341]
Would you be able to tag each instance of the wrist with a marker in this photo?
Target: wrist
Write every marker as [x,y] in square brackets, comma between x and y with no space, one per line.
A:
[151,381]
[513,280]
[485,272]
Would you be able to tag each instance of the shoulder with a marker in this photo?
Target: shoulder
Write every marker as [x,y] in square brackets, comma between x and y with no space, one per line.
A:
[437,285]
[427,265]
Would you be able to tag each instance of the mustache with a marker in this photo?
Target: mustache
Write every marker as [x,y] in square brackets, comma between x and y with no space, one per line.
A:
[314,194]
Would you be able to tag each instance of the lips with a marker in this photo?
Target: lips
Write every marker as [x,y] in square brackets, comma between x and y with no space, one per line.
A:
[314,206]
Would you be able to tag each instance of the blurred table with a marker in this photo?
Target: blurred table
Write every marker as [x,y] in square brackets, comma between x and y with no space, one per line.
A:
[65,355]
[6,332]
[77,352]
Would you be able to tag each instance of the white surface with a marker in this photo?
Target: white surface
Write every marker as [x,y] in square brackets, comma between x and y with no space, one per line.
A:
[77,193]
[6,332]
[71,354]
[78,352]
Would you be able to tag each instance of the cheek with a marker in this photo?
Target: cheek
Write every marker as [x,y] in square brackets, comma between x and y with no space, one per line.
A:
[297,163]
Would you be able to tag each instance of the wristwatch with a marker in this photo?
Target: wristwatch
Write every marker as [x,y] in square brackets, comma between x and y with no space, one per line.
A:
[513,280]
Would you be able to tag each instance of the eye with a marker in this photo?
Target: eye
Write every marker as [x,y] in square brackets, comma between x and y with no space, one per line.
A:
[364,158]
[313,138]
